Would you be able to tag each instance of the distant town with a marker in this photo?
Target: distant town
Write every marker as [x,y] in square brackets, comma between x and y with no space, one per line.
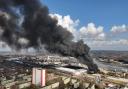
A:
[16,71]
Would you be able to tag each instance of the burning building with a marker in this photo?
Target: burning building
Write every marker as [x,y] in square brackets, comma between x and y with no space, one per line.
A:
[30,25]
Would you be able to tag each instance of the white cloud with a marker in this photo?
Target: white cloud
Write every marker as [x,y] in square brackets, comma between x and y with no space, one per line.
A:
[86,32]
[101,36]
[119,29]
[68,23]
[91,29]
[94,36]
[123,42]
[92,32]
[120,42]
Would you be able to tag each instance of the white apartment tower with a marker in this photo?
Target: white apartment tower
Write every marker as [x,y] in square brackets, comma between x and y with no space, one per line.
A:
[39,76]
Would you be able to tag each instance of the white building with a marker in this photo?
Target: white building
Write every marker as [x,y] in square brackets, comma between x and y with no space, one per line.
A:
[39,76]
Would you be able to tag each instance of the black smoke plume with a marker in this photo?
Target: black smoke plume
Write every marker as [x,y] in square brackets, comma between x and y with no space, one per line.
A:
[38,27]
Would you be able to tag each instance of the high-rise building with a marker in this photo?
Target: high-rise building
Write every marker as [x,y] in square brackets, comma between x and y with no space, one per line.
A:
[39,76]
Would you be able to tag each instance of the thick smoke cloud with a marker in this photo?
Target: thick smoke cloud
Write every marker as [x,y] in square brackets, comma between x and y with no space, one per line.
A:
[38,28]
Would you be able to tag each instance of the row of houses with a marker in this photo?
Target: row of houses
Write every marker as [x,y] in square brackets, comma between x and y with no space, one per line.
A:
[21,81]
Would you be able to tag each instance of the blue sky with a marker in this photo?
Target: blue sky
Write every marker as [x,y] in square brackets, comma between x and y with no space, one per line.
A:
[104,19]
[102,12]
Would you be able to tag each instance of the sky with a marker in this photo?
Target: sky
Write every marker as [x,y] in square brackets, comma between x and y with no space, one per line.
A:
[102,24]
[101,12]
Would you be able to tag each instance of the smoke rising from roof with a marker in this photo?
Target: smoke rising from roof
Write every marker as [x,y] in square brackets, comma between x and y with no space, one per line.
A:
[39,28]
